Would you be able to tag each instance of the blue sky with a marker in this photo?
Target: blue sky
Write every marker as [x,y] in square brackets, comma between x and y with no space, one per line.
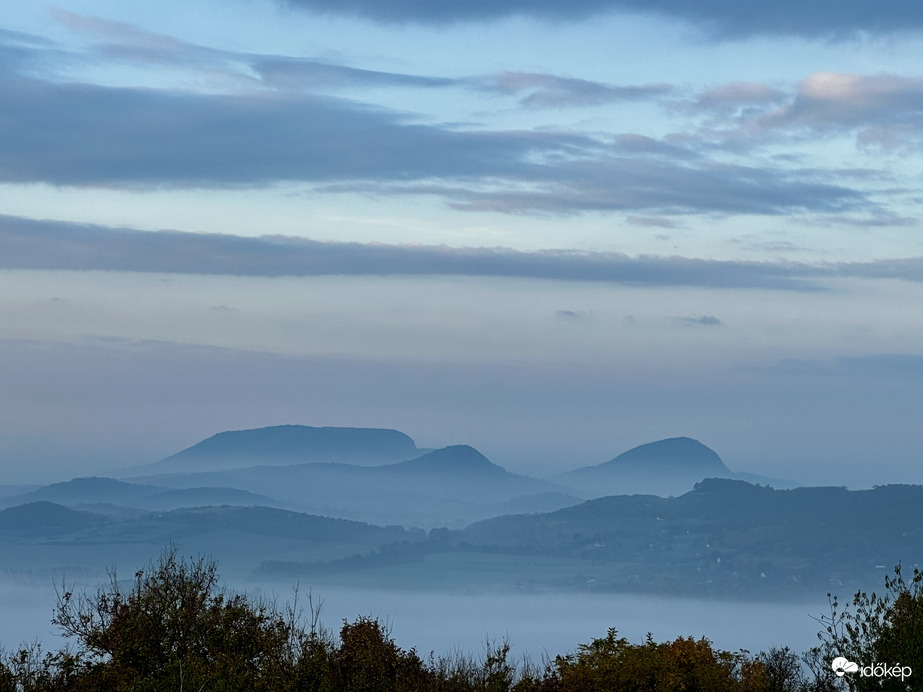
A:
[612,220]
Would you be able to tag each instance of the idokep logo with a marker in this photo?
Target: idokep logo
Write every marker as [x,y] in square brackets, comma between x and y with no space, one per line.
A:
[842,665]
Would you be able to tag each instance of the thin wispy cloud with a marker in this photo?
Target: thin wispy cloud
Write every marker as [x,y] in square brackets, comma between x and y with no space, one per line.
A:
[126,42]
[538,90]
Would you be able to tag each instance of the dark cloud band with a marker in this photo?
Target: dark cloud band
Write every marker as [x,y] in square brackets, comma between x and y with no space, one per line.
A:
[725,17]
[31,244]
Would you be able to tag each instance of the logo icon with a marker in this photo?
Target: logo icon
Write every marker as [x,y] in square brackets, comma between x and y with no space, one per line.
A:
[842,665]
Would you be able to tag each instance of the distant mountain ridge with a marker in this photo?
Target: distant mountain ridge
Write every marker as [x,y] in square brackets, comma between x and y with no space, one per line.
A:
[381,476]
[449,486]
[724,538]
[725,533]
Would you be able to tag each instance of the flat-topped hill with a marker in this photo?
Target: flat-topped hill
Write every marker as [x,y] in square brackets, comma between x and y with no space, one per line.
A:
[291,444]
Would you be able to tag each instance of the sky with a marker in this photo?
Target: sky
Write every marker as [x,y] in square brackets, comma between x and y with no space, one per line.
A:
[550,230]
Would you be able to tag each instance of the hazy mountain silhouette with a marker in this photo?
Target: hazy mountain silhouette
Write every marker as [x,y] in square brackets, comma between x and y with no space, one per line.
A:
[666,467]
[241,537]
[290,444]
[451,486]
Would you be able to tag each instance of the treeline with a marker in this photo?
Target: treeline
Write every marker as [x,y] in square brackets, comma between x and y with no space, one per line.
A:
[176,629]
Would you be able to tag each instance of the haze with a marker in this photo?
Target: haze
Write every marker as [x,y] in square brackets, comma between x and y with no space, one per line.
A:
[111,369]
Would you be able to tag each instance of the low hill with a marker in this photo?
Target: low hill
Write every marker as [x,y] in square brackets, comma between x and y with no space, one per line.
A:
[205,497]
[92,493]
[290,444]
[45,519]
[81,491]
[455,460]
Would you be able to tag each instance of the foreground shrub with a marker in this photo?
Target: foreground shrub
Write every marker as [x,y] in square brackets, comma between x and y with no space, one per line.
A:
[685,665]
[174,629]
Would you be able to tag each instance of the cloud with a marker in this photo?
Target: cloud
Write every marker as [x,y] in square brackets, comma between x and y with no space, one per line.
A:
[724,18]
[651,222]
[878,110]
[31,244]
[550,91]
[883,220]
[733,102]
[703,320]
[279,124]
[642,145]
[836,100]
[904,269]
[127,42]
[618,183]
[300,73]
[738,94]
[76,134]
[282,127]
[34,244]
[22,53]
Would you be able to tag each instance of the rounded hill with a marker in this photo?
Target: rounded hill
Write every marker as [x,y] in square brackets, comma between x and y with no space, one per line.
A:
[675,454]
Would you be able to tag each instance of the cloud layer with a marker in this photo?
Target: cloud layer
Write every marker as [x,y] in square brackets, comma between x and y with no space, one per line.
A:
[86,135]
[29,244]
[726,17]
[281,119]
